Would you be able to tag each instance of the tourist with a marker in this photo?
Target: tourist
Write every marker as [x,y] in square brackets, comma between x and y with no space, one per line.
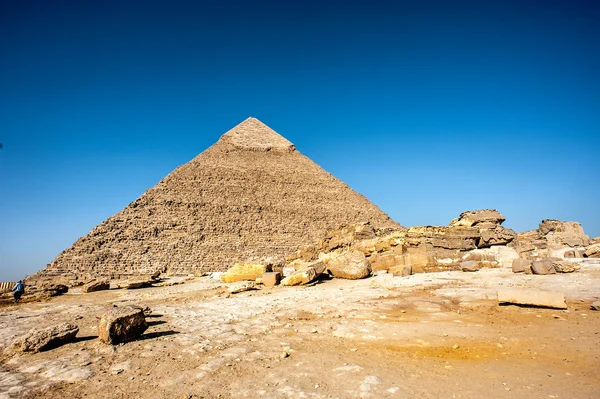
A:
[18,289]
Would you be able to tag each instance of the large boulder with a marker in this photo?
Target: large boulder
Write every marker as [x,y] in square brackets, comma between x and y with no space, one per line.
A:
[531,297]
[244,271]
[136,283]
[481,218]
[121,324]
[306,275]
[96,285]
[350,265]
[543,266]
[470,266]
[37,340]
[593,251]
[521,266]
[563,234]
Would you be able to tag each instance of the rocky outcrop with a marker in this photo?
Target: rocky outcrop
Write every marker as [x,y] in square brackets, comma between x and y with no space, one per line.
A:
[37,340]
[351,265]
[484,218]
[121,324]
[553,238]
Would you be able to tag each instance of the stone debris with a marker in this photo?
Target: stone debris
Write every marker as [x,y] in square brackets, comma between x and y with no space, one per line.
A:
[566,267]
[521,266]
[240,286]
[244,272]
[121,324]
[401,271]
[96,285]
[306,275]
[37,340]
[593,251]
[271,279]
[543,266]
[531,297]
[470,266]
[351,265]
[135,284]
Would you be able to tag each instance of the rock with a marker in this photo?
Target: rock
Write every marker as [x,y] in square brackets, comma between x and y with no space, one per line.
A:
[156,275]
[559,234]
[593,251]
[531,297]
[103,311]
[134,284]
[350,265]
[244,272]
[595,305]
[96,285]
[543,266]
[121,324]
[497,235]
[401,271]
[37,340]
[459,238]
[385,260]
[271,279]
[487,217]
[305,276]
[470,266]
[566,267]
[521,266]
[240,286]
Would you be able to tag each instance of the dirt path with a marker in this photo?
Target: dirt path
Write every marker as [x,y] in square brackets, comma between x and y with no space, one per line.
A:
[427,336]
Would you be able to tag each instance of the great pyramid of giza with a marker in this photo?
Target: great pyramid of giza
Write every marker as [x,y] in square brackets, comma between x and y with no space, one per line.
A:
[249,197]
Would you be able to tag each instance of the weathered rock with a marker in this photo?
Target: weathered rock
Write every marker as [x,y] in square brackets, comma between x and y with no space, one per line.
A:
[271,279]
[487,217]
[37,340]
[497,235]
[565,267]
[351,265]
[135,284]
[521,266]
[105,309]
[560,234]
[306,275]
[595,305]
[593,251]
[240,286]
[543,266]
[531,297]
[122,324]
[574,253]
[401,271]
[96,285]
[385,261]
[244,272]
[470,266]
[461,238]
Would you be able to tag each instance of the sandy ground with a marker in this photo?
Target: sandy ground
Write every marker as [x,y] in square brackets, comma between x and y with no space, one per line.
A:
[439,335]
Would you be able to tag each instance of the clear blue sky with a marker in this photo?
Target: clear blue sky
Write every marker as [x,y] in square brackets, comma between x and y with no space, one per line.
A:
[427,108]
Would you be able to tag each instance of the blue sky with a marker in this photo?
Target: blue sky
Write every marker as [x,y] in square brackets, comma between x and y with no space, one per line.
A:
[428,108]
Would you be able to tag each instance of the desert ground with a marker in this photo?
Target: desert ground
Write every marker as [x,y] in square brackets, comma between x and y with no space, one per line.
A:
[429,335]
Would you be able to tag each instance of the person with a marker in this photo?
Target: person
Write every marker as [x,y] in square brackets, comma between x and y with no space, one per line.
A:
[18,290]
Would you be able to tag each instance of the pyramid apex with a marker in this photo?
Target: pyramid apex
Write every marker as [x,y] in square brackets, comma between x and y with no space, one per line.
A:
[252,134]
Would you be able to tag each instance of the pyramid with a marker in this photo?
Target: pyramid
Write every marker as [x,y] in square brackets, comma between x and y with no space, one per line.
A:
[249,197]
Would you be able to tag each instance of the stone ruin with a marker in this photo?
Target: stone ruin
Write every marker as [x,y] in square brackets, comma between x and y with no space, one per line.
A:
[250,197]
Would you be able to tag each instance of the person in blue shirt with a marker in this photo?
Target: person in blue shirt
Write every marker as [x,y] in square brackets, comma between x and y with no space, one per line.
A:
[18,290]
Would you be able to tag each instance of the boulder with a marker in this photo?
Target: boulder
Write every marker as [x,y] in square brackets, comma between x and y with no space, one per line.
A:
[96,285]
[470,266]
[543,266]
[401,271]
[271,279]
[593,251]
[385,261]
[305,276]
[574,253]
[521,266]
[531,297]
[566,267]
[135,284]
[244,272]
[37,340]
[559,234]
[497,235]
[595,305]
[121,324]
[240,286]
[483,217]
[350,265]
